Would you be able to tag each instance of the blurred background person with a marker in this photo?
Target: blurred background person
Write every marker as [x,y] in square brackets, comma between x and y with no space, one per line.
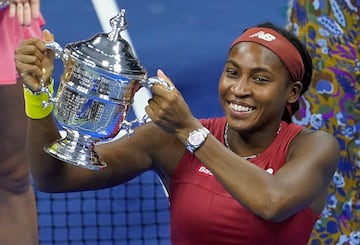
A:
[19,19]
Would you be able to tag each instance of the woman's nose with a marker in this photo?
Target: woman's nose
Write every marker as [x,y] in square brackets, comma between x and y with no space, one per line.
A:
[241,87]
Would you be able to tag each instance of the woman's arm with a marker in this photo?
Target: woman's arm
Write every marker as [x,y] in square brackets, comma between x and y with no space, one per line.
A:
[126,158]
[312,161]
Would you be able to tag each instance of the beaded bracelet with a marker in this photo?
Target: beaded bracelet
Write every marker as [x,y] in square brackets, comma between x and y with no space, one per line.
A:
[34,108]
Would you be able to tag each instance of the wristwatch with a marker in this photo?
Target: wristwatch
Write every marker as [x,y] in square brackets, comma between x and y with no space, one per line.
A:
[196,138]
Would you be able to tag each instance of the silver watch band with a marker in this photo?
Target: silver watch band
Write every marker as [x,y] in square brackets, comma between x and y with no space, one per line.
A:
[196,139]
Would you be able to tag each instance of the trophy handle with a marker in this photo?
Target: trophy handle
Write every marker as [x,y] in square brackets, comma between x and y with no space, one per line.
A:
[147,83]
[56,47]
[151,81]
[45,89]
[59,53]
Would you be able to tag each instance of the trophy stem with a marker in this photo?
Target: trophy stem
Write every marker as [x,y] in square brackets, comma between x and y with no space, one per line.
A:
[77,150]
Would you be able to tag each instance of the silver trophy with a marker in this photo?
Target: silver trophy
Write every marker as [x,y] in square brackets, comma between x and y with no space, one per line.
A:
[101,76]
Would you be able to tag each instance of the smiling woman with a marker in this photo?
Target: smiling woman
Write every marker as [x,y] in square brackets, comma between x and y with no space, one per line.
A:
[300,72]
[166,34]
[278,193]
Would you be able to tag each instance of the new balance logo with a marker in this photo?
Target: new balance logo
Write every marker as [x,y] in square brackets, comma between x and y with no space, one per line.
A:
[264,36]
[204,170]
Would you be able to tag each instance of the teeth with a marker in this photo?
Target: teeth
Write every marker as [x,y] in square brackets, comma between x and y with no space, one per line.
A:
[240,108]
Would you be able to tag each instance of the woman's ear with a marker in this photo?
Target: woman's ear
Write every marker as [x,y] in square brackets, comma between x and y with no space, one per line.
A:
[295,90]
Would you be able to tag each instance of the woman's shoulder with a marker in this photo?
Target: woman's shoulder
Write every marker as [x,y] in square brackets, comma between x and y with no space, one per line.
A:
[320,134]
[317,142]
[307,133]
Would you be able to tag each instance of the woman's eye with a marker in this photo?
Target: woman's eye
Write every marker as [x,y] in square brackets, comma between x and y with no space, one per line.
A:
[231,72]
[260,79]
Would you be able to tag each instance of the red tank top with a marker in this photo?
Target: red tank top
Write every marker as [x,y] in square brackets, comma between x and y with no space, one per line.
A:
[204,213]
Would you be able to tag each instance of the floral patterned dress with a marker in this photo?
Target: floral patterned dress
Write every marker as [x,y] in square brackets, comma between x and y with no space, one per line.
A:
[330,29]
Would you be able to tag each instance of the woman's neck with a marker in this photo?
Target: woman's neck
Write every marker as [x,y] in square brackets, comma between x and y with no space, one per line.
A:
[249,145]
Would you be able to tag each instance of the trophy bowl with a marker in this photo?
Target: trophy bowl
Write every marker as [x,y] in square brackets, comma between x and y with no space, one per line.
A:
[101,76]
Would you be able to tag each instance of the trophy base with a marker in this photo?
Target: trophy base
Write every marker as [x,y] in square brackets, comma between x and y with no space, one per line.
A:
[78,151]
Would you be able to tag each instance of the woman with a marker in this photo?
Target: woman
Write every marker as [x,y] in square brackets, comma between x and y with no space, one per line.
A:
[19,20]
[251,177]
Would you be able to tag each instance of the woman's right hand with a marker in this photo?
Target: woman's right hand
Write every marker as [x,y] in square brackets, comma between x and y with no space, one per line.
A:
[34,61]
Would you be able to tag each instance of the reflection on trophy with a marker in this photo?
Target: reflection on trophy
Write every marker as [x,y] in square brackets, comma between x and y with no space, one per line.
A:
[101,76]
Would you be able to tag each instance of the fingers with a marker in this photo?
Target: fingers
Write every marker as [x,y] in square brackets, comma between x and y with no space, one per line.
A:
[33,46]
[35,8]
[30,59]
[26,14]
[48,36]
[24,10]
[12,10]
[162,88]
[28,64]
[20,13]
[162,75]
[30,80]
[163,98]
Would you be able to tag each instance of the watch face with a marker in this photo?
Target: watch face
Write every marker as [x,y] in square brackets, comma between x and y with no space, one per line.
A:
[196,138]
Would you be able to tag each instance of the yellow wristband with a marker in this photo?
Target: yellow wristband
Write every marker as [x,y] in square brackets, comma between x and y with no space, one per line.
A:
[34,103]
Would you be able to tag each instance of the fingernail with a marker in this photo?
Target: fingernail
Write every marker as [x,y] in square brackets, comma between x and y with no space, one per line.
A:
[160,72]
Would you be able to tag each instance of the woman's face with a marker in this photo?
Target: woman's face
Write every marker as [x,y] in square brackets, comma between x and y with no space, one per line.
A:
[254,87]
